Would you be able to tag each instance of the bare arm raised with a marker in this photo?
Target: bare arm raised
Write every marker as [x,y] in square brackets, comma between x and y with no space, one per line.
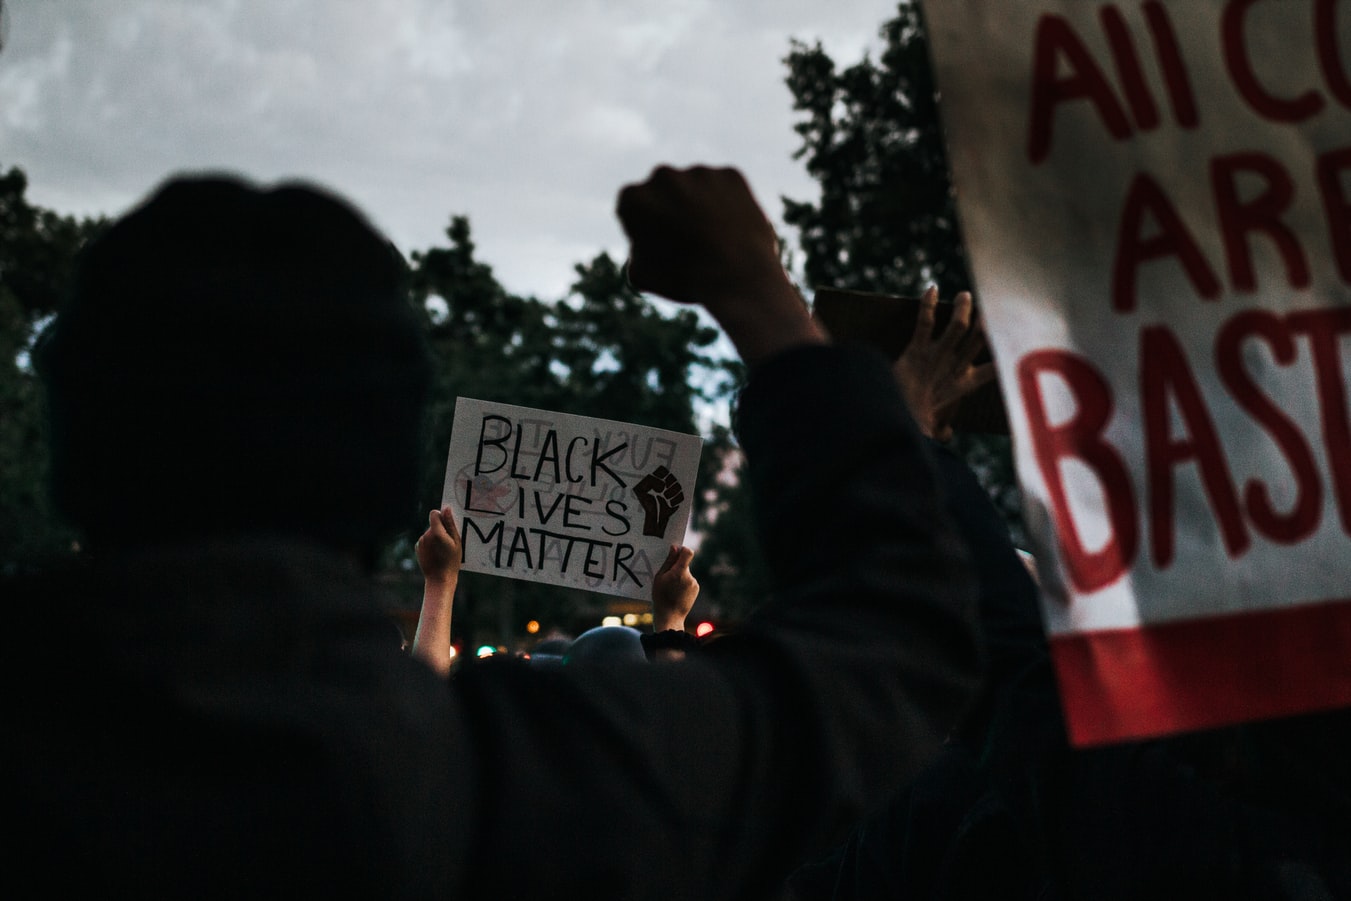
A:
[438,556]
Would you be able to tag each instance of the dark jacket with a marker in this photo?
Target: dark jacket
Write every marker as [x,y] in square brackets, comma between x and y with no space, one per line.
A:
[234,719]
[1010,812]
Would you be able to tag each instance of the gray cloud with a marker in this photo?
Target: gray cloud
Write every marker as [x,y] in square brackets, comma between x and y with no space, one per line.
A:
[525,114]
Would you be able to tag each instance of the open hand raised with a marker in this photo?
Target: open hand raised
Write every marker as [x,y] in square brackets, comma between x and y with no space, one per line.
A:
[935,372]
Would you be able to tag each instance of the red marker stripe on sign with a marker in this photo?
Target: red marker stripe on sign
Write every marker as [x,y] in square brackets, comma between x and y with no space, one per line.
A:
[1124,684]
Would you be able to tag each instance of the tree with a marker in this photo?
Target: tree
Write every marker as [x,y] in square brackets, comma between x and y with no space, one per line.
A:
[733,576]
[604,350]
[885,221]
[625,359]
[37,251]
[886,218]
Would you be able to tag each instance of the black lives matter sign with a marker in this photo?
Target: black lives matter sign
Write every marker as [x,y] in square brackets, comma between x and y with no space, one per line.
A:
[567,500]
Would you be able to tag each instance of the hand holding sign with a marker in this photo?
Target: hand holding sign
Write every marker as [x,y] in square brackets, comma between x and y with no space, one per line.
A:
[438,549]
[674,591]
[439,557]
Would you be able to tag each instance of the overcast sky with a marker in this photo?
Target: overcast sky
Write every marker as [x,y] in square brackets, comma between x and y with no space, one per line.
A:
[526,115]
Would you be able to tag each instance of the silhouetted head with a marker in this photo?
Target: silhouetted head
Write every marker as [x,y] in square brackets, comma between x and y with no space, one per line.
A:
[555,646]
[607,644]
[233,359]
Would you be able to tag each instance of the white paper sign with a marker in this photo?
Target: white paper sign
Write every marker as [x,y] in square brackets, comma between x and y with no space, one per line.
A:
[1156,198]
[568,500]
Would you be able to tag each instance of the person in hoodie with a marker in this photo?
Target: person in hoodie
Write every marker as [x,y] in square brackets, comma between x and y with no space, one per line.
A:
[236,388]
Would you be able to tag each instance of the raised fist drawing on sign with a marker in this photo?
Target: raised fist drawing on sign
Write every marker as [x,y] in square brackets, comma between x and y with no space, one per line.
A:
[660,495]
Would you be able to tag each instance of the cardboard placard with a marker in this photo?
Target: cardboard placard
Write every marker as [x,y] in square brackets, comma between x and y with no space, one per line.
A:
[567,500]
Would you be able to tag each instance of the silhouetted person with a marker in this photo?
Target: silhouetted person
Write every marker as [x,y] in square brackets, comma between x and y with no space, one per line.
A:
[236,388]
[440,554]
[209,701]
[607,645]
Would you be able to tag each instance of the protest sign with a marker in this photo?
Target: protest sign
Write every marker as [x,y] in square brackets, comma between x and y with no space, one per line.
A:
[568,500]
[1156,198]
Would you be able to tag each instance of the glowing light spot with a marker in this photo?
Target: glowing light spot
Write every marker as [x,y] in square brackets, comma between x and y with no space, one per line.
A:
[612,621]
[532,627]
[486,650]
[703,629]
[630,619]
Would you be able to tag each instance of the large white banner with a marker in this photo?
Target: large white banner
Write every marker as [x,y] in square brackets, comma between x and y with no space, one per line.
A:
[568,500]
[1157,202]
